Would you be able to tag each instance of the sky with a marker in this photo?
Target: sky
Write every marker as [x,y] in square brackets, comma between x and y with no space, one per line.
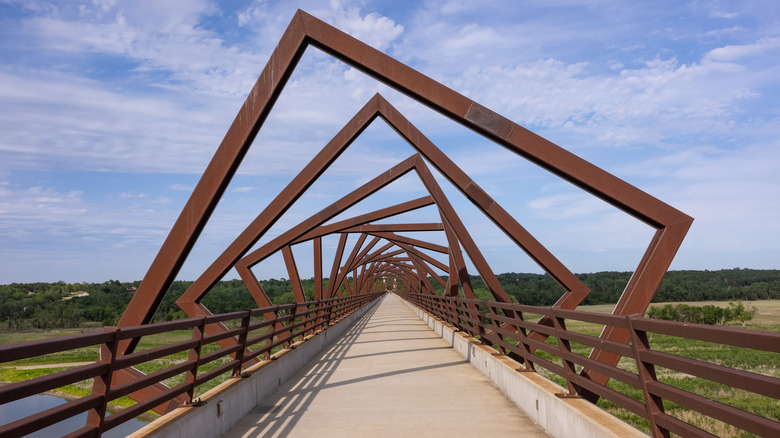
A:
[110,111]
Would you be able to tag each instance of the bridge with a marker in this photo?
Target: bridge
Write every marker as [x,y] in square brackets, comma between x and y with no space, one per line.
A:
[546,373]
[389,375]
[400,364]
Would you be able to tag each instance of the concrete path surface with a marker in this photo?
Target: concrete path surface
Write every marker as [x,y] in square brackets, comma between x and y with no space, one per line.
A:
[389,376]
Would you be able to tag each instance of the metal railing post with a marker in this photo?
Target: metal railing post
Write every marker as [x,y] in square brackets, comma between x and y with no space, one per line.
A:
[291,326]
[565,348]
[101,384]
[242,341]
[194,357]
[523,343]
[646,371]
[278,327]
[329,316]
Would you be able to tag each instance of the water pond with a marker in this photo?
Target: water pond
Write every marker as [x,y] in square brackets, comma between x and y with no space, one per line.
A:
[30,405]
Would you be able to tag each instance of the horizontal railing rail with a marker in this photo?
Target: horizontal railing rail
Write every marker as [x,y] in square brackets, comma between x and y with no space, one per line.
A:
[547,344]
[257,332]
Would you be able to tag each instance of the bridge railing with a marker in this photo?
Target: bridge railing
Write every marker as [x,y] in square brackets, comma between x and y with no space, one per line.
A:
[256,333]
[548,344]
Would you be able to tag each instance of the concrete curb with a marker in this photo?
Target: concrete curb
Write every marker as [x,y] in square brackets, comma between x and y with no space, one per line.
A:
[535,395]
[227,403]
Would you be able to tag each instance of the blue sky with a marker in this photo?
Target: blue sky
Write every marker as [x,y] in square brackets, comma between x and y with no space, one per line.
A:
[109,112]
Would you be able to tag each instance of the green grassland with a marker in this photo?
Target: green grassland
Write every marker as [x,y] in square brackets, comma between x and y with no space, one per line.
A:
[29,368]
[767,318]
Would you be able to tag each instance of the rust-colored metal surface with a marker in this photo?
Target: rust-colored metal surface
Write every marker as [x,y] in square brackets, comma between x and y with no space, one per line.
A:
[357,268]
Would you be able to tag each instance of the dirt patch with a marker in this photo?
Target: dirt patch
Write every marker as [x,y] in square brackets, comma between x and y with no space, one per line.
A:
[52,365]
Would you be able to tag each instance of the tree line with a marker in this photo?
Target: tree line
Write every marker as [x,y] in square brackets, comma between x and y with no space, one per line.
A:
[67,305]
[64,305]
[606,287]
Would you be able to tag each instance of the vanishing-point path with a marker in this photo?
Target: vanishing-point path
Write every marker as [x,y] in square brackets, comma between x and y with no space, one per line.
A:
[389,376]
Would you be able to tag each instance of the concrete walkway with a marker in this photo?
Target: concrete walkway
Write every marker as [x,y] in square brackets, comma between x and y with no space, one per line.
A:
[389,376]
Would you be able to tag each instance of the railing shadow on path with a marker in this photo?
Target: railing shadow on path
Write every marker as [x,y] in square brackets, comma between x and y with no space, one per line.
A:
[280,413]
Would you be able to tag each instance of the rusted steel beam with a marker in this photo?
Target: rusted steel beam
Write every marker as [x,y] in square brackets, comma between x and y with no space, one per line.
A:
[421,258]
[641,288]
[363,259]
[458,271]
[512,136]
[363,278]
[189,302]
[386,257]
[460,231]
[369,247]
[347,287]
[378,270]
[422,273]
[451,289]
[244,265]
[384,213]
[352,259]
[244,242]
[416,242]
[317,242]
[395,228]
[369,277]
[488,123]
[406,272]
[442,266]
[575,289]
[359,259]
[517,139]
[411,249]
[332,287]
[430,272]
[215,179]
[292,274]
[383,248]
[395,259]
[342,274]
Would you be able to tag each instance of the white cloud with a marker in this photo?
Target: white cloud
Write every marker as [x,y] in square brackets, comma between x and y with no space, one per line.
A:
[736,52]
[162,37]
[68,122]
[373,29]
[656,102]
[568,206]
[689,106]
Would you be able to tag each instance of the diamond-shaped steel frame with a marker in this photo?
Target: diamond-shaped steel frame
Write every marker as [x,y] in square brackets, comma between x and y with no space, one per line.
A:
[304,30]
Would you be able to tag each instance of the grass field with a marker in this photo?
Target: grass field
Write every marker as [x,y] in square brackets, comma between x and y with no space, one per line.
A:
[29,368]
[767,318]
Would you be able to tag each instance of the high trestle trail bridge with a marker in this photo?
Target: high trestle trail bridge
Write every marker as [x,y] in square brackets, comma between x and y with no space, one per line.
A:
[395,341]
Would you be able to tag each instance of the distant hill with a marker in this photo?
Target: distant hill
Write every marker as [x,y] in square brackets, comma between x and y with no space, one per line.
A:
[49,305]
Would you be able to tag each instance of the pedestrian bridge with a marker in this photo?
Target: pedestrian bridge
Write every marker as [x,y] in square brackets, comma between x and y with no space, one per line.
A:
[478,372]
[403,364]
[389,374]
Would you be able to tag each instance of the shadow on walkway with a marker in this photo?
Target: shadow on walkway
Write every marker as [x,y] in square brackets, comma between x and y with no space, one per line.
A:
[389,375]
